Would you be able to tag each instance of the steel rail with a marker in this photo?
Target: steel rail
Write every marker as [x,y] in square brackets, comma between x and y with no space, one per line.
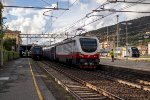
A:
[63,85]
[87,84]
[120,81]
[136,80]
[135,85]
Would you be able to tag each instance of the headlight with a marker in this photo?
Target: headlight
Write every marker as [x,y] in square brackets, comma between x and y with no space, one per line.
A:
[85,63]
[91,63]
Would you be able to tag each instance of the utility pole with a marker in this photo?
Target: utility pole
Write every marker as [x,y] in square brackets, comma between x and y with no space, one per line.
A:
[117,33]
[127,23]
[49,42]
[67,35]
[107,37]
[126,44]
[27,47]
[107,41]
[1,33]
[126,40]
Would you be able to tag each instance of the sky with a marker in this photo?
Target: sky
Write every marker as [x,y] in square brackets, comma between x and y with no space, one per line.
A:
[32,21]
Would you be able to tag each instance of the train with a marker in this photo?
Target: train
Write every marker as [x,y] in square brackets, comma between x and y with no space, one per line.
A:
[83,51]
[36,52]
[133,52]
[130,51]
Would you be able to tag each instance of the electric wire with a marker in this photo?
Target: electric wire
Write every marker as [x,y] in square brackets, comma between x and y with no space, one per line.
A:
[62,14]
[131,5]
[113,13]
[128,6]
[72,25]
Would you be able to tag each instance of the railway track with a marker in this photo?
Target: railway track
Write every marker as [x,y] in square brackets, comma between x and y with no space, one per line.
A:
[106,85]
[75,86]
[127,77]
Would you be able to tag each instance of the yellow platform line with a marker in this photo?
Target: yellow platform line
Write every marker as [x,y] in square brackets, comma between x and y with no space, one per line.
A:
[35,83]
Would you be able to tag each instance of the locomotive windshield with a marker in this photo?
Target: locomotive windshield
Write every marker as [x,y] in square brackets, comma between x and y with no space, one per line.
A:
[37,50]
[135,52]
[134,49]
[88,44]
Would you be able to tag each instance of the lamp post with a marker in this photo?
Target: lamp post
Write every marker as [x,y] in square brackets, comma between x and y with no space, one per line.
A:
[107,37]
[126,23]
[126,40]
[1,32]
[117,34]
[50,42]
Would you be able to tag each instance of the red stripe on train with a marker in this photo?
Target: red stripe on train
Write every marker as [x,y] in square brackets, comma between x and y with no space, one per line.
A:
[78,55]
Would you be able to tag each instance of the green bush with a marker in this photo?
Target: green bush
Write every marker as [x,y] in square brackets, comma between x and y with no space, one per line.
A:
[5,56]
[9,55]
[16,55]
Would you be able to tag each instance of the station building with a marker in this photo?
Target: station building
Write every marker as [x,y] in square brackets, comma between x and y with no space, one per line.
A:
[10,34]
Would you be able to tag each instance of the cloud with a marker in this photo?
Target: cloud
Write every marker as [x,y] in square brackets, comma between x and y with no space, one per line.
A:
[7,2]
[101,1]
[54,6]
[83,6]
[21,12]
[70,1]
[33,22]
[139,8]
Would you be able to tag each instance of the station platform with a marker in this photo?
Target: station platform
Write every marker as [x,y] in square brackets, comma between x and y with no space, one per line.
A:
[135,64]
[17,82]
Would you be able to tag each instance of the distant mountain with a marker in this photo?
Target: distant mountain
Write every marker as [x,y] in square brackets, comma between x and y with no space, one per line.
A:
[138,32]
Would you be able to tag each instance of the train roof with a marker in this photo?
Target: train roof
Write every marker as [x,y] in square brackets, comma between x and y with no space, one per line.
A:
[35,46]
[78,36]
[70,39]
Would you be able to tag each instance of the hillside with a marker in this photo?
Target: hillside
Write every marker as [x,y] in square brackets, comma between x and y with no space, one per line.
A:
[136,32]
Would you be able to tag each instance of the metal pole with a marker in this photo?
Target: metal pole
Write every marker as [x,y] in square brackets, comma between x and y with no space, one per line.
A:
[107,40]
[1,32]
[49,42]
[54,40]
[117,33]
[27,47]
[126,40]
[107,36]
[2,52]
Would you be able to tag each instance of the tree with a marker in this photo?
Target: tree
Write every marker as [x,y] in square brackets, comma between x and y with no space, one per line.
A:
[9,43]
